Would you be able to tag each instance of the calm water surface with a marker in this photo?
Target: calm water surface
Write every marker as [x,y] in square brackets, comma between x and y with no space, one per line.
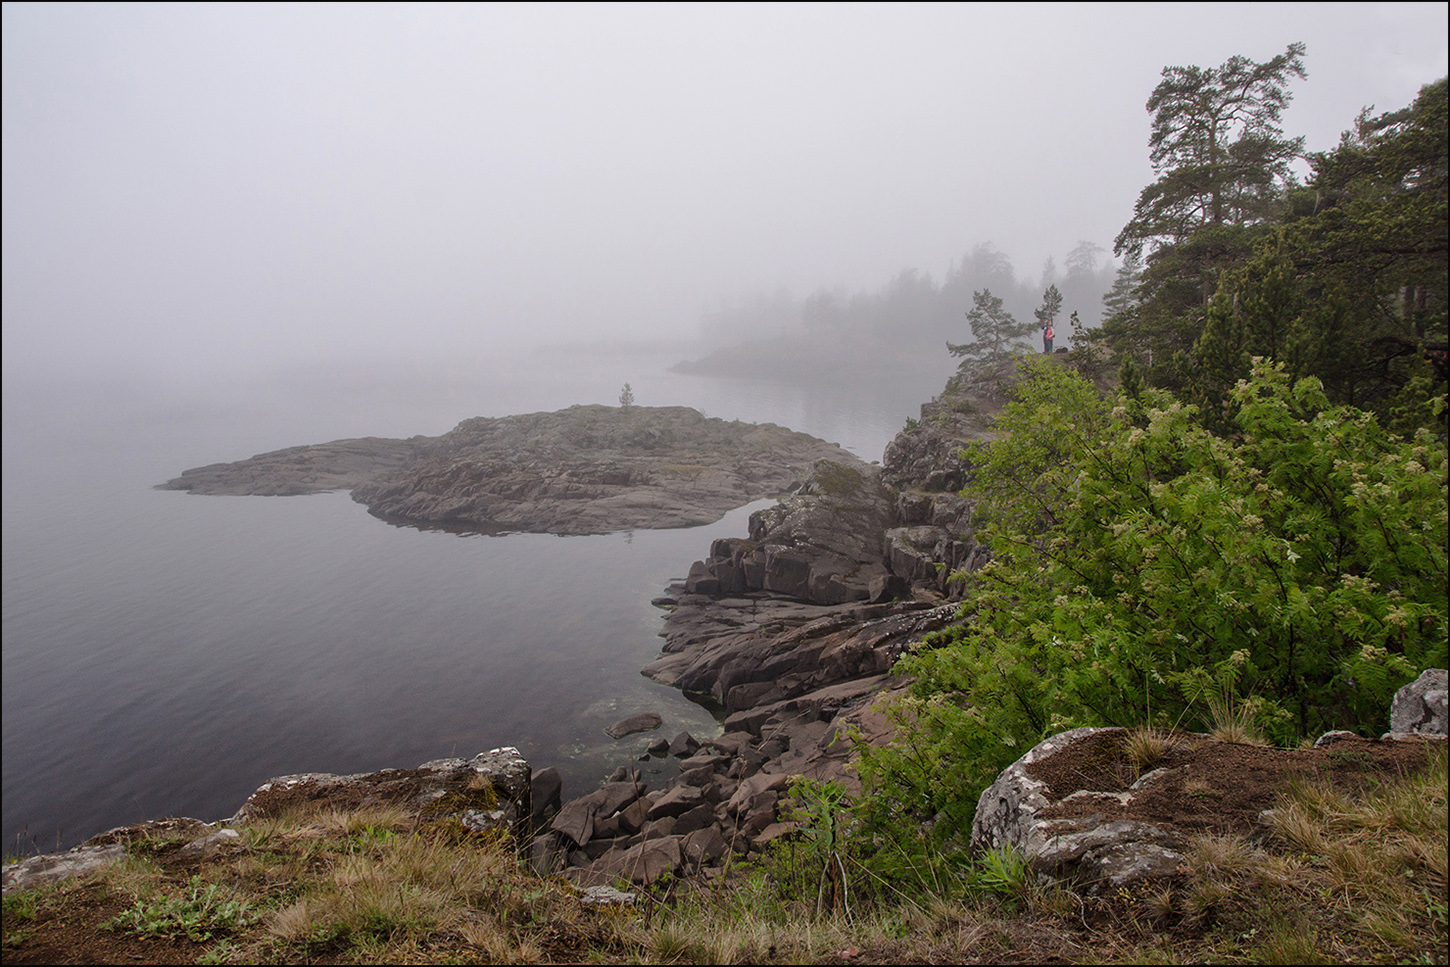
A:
[164,654]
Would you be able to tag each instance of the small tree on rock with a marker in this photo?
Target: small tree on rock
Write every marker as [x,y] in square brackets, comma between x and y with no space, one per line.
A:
[626,397]
[993,329]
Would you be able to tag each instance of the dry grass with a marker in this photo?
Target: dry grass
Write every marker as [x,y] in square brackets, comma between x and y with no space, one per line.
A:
[1363,878]
[1236,722]
[1341,878]
[1146,747]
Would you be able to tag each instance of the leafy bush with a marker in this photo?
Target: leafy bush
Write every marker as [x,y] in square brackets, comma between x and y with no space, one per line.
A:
[1299,561]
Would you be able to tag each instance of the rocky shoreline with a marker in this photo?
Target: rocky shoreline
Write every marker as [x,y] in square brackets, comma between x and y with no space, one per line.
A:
[792,633]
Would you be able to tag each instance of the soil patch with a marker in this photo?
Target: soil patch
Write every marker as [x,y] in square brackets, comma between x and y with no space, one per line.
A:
[1201,785]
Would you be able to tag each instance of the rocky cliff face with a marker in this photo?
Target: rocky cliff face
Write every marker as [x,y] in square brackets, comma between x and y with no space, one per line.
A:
[896,532]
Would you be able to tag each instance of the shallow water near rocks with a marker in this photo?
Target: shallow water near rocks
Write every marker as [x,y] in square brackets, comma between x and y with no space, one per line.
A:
[164,654]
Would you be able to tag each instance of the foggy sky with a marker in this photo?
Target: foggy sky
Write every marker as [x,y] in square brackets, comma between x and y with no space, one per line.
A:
[225,189]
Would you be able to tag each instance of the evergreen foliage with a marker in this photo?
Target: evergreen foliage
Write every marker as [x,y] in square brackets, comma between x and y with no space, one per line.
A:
[1051,306]
[1222,166]
[1227,257]
[1353,291]
[994,331]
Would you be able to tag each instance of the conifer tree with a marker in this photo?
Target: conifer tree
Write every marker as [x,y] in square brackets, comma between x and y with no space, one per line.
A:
[993,330]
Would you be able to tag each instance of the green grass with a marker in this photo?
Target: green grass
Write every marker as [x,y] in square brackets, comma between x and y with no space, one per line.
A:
[201,912]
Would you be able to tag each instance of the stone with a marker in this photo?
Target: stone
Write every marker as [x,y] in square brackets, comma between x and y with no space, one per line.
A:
[575,822]
[772,833]
[35,871]
[1421,706]
[644,863]
[743,802]
[633,817]
[694,819]
[1102,854]
[704,760]
[494,786]
[643,722]
[614,796]
[207,845]
[171,829]
[678,800]
[547,790]
[548,855]
[683,745]
[703,846]
[606,896]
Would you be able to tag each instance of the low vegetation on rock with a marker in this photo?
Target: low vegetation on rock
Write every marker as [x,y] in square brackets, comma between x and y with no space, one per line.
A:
[1351,868]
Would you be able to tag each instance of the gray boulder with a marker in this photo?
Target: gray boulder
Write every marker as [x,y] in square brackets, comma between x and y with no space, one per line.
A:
[1421,706]
[1105,855]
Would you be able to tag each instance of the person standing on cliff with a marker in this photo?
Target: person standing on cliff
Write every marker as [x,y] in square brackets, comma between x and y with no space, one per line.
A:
[1047,339]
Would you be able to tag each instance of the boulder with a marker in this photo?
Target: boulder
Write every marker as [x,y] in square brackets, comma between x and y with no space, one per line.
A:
[643,863]
[1076,807]
[677,801]
[582,819]
[683,745]
[703,846]
[1421,706]
[547,790]
[207,845]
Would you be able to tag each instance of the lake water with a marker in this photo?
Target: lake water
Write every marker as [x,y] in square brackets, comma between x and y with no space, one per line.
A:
[164,654]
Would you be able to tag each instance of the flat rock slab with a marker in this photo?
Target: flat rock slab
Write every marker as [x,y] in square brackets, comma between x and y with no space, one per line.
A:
[583,470]
[643,722]
[38,871]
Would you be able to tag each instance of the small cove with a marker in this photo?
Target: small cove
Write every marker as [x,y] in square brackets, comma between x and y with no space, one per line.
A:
[164,654]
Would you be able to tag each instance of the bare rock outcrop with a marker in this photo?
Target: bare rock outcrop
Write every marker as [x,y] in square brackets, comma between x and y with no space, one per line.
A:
[339,465]
[491,791]
[36,871]
[758,648]
[582,470]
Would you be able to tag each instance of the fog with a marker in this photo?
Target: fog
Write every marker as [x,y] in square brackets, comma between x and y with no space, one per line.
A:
[216,191]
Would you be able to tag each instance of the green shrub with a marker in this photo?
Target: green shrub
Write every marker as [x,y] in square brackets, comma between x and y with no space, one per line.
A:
[1299,562]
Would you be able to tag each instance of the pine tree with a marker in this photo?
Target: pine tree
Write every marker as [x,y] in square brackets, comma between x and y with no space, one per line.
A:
[993,330]
[1051,306]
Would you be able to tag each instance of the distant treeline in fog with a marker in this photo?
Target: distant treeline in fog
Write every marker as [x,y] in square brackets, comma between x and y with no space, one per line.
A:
[913,314]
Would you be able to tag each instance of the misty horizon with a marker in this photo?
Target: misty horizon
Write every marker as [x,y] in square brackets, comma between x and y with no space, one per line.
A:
[211,192]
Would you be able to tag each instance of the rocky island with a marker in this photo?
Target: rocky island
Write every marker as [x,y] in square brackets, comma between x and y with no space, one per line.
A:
[581,470]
